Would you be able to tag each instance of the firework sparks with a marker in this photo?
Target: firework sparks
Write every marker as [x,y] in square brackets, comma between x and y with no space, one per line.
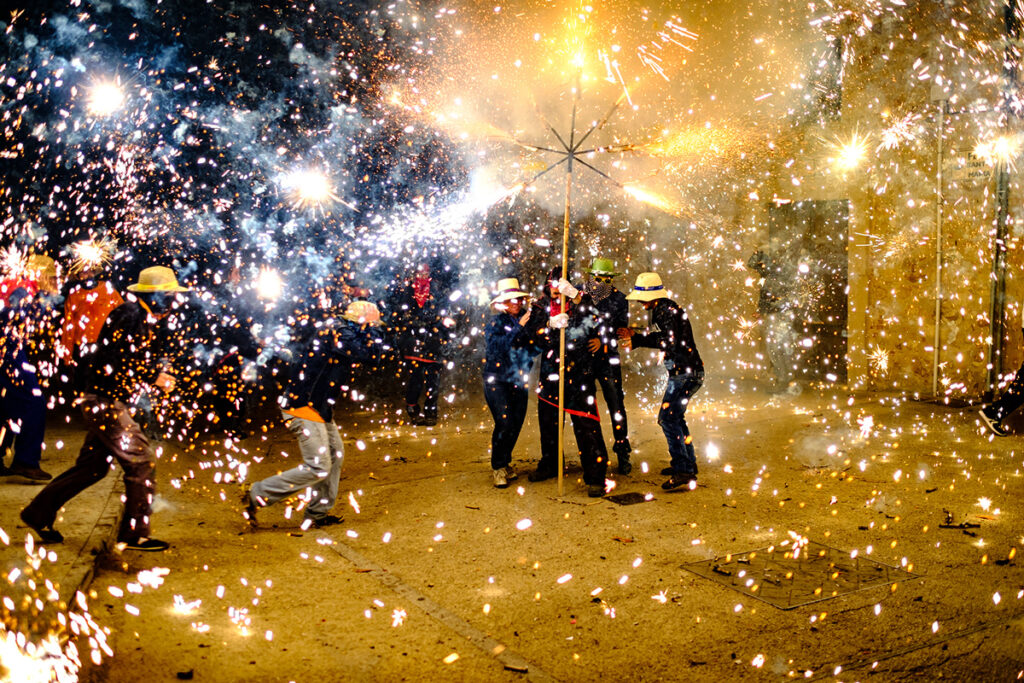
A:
[92,254]
[105,98]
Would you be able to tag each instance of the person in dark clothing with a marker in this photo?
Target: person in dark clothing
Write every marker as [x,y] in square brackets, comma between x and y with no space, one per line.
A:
[322,370]
[672,334]
[581,325]
[420,326]
[992,415]
[776,310]
[614,315]
[506,372]
[110,373]
[27,313]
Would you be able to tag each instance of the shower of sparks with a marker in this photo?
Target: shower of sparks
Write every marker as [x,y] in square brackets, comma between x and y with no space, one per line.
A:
[878,358]
[92,254]
[850,154]
[105,98]
[1000,150]
[309,188]
[901,132]
[269,284]
[13,262]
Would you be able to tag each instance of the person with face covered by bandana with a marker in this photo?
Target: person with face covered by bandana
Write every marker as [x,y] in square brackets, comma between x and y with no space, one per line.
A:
[613,312]
[124,362]
[580,320]
[422,330]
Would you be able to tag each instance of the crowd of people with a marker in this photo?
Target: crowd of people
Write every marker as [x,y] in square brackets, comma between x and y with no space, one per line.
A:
[120,359]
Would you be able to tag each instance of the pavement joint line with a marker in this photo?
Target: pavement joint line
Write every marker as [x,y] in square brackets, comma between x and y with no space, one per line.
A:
[511,660]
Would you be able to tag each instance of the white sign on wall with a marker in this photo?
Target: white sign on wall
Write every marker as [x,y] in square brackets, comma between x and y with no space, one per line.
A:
[966,166]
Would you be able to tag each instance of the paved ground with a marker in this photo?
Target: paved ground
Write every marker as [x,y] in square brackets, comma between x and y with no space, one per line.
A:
[435,574]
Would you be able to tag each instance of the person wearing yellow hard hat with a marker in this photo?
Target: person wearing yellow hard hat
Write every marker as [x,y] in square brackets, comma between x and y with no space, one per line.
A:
[507,362]
[671,333]
[109,374]
[324,368]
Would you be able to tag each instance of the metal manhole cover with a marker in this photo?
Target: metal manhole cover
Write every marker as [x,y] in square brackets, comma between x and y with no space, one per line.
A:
[788,576]
[631,498]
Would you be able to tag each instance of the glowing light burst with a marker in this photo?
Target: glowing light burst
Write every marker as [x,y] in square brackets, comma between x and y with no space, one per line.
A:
[269,285]
[13,261]
[309,188]
[900,132]
[658,201]
[851,153]
[878,359]
[1001,150]
[105,98]
[92,254]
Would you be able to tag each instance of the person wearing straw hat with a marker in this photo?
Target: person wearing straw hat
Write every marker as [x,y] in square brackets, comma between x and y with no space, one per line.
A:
[614,315]
[123,361]
[507,363]
[580,391]
[324,367]
[672,334]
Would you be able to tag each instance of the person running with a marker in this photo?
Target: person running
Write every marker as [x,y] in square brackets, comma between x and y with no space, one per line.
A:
[672,334]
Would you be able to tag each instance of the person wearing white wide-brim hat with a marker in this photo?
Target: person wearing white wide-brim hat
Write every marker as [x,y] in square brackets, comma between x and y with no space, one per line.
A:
[109,374]
[507,362]
[672,334]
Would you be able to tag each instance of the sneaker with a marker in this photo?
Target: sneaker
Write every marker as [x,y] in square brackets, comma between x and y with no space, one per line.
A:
[426,421]
[625,466]
[249,512]
[149,545]
[992,424]
[595,490]
[326,520]
[500,478]
[31,475]
[46,533]
[680,480]
[540,475]
[510,473]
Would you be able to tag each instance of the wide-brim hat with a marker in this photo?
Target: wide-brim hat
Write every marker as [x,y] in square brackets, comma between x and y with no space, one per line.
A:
[41,265]
[157,279]
[648,287]
[508,289]
[602,266]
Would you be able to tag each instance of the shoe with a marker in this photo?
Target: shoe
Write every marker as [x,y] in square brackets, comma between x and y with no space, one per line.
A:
[425,421]
[680,480]
[540,475]
[149,545]
[47,534]
[413,414]
[510,473]
[326,520]
[249,512]
[668,472]
[595,490]
[33,475]
[992,424]
[500,478]
[625,466]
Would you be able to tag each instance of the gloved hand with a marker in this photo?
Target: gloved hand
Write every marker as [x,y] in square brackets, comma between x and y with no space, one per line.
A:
[566,289]
[560,321]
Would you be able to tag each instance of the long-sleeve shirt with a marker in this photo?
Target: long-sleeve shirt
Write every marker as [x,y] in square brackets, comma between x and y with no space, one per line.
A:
[324,368]
[613,312]
[124,356]
[510,351]
[670,331]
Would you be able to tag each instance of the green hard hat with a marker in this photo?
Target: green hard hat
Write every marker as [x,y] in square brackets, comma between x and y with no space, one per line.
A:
[603,266]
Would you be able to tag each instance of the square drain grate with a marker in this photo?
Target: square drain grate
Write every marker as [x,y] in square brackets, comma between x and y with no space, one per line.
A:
[631,498]
[788,576]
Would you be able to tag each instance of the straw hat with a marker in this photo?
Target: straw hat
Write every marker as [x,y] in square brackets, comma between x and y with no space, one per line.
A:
[41,265]
[648,287]
[602,266]
[157,279]
[362,312]
[508,289]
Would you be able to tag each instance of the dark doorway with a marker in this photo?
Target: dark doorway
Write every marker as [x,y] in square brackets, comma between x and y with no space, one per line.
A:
[810,238]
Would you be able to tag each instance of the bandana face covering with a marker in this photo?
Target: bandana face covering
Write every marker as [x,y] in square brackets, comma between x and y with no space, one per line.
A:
[421,290]
[600,290]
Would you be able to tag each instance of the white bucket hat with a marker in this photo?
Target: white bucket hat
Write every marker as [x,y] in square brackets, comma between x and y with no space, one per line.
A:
[648,287]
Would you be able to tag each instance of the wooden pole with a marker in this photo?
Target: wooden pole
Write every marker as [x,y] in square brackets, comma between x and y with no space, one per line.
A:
[561,336]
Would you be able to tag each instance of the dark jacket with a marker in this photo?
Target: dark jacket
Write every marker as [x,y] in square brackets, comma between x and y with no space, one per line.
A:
[670,331]
[324,367]
[419,331]
[580,385]
[774,296]
[613,312]
[510,351]
[124,357]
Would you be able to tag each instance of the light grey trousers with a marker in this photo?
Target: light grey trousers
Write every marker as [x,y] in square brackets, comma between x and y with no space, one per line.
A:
[316,479]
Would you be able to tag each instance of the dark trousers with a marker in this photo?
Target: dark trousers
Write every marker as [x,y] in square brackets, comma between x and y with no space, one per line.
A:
[1011,399]
[23,411]
[508,407]
[672,418]
[589,440]
[424,377]
[112,435]
[610,380]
